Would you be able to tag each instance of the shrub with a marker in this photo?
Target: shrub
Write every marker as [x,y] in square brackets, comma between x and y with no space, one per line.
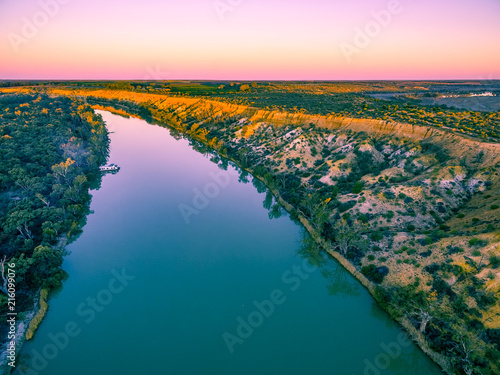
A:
[346,206]
[363,218]
[357,188]
[426,241]
[389,195]
[477,242]
[476,253]
[493,336]
[485,300]
[318,162]
[37,319]
[490,228]
[439,152]
[426,254]
[408,200]
[495,261]
[442,287]
[444,227]
[432,268]
[376,236]
[494,206]
[375,274]
[370,257]
[441,209]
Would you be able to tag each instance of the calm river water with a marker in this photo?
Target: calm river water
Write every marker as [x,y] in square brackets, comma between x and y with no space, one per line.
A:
[181,271]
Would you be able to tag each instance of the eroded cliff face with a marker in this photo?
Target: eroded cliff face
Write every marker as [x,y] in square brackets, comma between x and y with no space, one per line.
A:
[423,201]
[211,110]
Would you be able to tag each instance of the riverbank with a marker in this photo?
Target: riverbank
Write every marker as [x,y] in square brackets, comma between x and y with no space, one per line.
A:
[417,335]
[193,278]
[26,328]
[489,157]
[402,188]
[53,150]
[19,339]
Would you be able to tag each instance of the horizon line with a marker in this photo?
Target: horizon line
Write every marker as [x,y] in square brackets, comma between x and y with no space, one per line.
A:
[246,80]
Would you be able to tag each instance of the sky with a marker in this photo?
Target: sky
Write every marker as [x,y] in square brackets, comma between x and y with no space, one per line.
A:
[250,39]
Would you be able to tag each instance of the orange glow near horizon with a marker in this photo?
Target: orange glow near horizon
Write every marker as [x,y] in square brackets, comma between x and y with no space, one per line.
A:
[272,40]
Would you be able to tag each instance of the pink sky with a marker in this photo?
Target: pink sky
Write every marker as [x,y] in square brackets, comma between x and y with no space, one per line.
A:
[249,39]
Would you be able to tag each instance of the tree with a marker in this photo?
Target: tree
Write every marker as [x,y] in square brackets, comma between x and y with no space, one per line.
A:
[309,203]
[62,169]
[320,214]
[467,350]
[3,287]
[421,307]
[243,155]
[422,314]
[21,221]
[347,238]
[282,178]
[44,200]
[47,266]
[357,188]
[29,184]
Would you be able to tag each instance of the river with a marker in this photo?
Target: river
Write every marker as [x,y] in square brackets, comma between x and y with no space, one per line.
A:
[180,270]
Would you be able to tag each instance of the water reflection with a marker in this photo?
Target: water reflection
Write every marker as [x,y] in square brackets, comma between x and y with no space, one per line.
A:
[358,326]
[339,281]
[397,357]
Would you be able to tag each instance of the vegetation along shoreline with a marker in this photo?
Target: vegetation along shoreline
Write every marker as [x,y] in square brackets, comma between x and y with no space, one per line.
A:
[407,209]
[52,148]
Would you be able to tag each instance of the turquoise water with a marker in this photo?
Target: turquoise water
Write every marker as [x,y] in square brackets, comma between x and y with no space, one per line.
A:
[165,281]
